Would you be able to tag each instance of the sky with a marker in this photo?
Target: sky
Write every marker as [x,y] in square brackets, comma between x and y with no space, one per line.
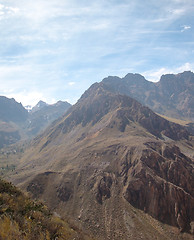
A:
[54,50]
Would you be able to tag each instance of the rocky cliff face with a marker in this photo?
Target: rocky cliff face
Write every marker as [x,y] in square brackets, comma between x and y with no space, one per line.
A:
[97,186]
[161,184]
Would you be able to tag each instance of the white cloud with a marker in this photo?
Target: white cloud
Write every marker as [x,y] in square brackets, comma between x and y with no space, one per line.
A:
[154,75]
[6,11]
[185,27]
[185,67]
[27,98]
[71,83]
[12,10]
[178,12]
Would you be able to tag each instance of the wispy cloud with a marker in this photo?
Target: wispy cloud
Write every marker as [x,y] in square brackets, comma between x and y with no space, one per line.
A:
[154,75]
[47,44]
[185,27]
[7,11]
[31,97]
[71,83]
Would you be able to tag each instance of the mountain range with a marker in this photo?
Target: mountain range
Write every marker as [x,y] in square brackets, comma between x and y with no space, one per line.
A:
[110,164]
[172,96]
[113,167]
[44,114]
[16,123]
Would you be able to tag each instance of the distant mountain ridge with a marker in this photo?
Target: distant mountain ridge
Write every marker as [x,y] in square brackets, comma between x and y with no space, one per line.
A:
[17,123]
[12,115]
[12,111]
[44,114]
[41,104]
[172,96]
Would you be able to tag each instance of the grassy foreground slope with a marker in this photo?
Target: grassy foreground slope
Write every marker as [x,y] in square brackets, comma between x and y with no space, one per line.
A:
[21,218]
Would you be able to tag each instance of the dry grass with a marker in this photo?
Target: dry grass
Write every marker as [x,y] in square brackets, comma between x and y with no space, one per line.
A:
[21,218]
[175,120]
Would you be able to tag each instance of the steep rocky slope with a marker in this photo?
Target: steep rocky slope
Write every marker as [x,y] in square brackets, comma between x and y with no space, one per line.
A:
[110,164]
[171,96]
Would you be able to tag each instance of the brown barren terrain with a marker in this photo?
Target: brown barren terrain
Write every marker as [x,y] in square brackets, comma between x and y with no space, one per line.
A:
[112,166]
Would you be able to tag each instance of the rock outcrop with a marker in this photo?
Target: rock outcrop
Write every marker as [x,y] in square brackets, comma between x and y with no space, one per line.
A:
[161,183]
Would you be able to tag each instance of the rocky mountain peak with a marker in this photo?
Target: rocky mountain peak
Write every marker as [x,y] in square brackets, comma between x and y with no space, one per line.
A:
[179,80]
[134,77]
[39,106]
[100,107]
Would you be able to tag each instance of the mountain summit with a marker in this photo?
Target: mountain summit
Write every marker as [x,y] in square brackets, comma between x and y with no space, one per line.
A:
[39,106]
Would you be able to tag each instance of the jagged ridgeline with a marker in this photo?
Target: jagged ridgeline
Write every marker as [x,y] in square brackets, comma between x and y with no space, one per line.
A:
[24,219]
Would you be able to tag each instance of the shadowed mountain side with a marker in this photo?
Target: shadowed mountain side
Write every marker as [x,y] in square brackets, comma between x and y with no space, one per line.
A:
[12,111]
[12,116]
[171,96]
[107,155]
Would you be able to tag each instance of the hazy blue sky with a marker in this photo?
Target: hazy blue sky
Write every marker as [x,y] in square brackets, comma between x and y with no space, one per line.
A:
[55,49]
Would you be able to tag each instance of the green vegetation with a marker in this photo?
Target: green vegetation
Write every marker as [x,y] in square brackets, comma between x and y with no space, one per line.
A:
[23,219]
